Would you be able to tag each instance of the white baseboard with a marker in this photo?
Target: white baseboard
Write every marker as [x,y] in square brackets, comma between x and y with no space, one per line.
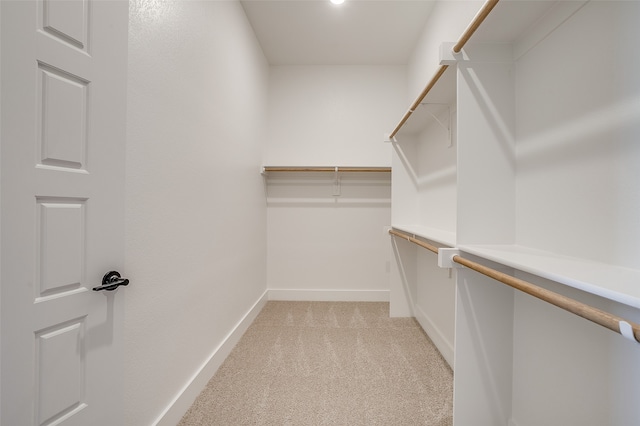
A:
[328,295]
[184,399]
[437,337]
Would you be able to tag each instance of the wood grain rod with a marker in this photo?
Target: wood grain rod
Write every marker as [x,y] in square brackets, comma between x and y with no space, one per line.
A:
[414,240]
[482,14]
[340,169]
[441,69]
[605,319]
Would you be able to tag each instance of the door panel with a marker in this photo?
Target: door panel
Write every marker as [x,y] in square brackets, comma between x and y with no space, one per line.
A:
[60,370]
[63,118]
[60,246]
[66,20]
[62,222]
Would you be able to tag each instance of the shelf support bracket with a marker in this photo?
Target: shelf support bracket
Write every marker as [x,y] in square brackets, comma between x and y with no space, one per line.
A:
[627,331]
[389,139]
[447,126]
[448,56]
[445,257]
[336,184]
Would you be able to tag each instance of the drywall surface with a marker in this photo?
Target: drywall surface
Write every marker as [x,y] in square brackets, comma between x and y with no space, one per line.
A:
[323,243]
[577,128]
[446,23]
[580,372]
[333,115]
[326,247]
[435,302]
[195,216]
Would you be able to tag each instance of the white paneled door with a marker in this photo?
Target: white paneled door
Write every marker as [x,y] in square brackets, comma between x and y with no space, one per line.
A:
[63,99]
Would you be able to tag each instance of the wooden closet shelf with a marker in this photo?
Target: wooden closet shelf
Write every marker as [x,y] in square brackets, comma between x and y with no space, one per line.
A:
[332,169]
[439,236]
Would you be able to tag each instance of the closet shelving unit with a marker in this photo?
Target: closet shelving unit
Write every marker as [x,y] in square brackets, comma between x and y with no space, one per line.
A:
[540,183]
[321,240]
[325,169]
[323,183]
[483,166]
[425,139]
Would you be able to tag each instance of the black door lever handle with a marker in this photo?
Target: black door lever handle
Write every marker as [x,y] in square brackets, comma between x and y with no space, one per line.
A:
[111,281]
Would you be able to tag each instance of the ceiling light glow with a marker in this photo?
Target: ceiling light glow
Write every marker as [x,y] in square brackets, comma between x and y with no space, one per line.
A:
[337,1]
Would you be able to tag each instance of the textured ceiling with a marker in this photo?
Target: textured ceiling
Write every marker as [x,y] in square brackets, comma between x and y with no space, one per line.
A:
[358,32]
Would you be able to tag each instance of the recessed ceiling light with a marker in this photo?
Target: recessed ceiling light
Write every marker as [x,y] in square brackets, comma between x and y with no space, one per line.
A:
[337,1]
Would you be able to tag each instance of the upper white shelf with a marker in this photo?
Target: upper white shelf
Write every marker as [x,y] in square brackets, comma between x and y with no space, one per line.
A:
[446,238]
[609,281]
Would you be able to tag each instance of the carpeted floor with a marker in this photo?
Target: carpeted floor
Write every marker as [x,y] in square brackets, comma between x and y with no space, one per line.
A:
[328,363]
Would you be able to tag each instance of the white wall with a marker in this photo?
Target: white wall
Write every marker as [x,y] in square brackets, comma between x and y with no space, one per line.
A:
[333,115]
[0,197]
[195,218]
[321,246]
[447,21]
[578,137]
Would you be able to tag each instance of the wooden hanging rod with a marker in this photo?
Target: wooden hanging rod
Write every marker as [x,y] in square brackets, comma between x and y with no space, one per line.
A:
[327,169]
[605,319]
[482,14]
[419,99]
[414,240]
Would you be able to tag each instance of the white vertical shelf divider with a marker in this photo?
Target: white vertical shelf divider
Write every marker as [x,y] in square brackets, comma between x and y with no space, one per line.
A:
[486,145]
[486,212]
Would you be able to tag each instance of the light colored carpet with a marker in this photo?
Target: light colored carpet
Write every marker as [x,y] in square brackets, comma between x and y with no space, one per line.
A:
[328,363]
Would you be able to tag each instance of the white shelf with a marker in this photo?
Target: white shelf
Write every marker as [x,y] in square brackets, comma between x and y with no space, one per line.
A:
[439,236]
[609,281]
